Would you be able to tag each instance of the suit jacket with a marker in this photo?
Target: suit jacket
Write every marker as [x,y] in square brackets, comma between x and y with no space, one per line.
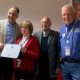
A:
[53,51]
[31,55]
[3,31]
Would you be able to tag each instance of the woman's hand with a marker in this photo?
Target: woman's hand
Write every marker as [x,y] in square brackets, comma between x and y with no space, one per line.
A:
[23,50]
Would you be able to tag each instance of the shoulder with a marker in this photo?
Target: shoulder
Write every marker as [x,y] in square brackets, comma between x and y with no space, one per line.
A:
[2,21]
[37,32]
[56,33]
[17,24]
[33,38]
[62,27]
[2,24]
[18,28]
[18,39]
[78,22]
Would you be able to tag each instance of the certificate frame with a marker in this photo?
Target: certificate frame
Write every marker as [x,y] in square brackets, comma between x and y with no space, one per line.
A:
[11,51]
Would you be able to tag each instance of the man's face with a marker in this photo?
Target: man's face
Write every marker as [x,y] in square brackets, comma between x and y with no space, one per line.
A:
[45,24]
[68,15]
[12,15]
[78,12]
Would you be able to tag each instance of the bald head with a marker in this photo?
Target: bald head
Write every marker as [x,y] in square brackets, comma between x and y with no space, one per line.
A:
[48,19]
[45,23]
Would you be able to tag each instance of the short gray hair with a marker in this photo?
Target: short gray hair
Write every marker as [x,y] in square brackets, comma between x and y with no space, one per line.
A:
[17,9]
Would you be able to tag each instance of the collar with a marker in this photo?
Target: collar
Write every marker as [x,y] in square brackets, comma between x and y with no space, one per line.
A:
[71,25]
[25,37]
[8,23]
[46,32]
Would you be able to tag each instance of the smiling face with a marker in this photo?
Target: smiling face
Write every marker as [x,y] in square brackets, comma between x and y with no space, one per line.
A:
[68,15]
[12,15]
[25,29]
[45,24]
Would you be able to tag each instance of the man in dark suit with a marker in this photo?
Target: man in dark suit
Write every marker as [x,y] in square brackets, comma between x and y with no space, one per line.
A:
[48,65]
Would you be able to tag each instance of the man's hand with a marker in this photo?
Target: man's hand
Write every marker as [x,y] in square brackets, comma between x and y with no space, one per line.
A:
[1,46]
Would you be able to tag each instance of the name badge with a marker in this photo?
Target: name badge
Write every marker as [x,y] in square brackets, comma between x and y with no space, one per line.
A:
[67,51]
[64,34]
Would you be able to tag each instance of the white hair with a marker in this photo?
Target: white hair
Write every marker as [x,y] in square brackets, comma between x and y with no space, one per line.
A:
[69,7]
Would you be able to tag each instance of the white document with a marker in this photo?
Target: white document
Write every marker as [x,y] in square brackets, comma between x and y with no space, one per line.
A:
[11,51]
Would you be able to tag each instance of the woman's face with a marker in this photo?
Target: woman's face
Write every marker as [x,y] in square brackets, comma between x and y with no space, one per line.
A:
[25,29]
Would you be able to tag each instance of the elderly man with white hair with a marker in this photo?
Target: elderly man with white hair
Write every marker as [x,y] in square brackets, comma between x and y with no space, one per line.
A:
[70,44]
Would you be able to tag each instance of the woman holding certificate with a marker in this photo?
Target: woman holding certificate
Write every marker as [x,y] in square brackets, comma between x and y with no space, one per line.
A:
[29,54]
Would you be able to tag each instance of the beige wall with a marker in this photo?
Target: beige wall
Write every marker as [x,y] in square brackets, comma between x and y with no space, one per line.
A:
[34,10]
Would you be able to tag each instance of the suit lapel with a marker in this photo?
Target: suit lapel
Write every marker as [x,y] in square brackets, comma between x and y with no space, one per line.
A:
[40,37]
[50,36]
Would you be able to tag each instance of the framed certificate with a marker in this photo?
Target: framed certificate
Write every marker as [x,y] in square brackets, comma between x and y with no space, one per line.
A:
[11,51]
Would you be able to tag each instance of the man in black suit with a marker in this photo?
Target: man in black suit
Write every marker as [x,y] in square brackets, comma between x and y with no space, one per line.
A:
[48,65]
